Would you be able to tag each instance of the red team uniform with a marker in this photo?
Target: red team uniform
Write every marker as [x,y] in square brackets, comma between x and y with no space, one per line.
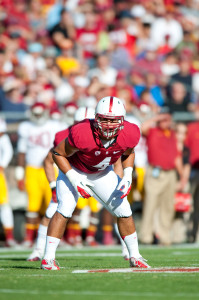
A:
[85,161]
[92,157]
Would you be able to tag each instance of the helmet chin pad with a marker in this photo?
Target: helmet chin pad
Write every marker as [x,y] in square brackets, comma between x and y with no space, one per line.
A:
[108,129]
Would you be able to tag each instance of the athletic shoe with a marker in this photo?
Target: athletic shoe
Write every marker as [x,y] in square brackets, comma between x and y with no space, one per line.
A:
[138,262]
[125,253]
[91,242]
[50,264]
[27,244]
[11,243]
[35,256]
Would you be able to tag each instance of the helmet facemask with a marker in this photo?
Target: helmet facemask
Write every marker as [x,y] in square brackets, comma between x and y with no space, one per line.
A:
[109,126]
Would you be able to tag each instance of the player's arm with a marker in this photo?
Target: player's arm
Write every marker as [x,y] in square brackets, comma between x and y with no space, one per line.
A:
[20,171]
[60,154]
[80,182]
[48,167]
[50,173]
[118,169]
[127,162]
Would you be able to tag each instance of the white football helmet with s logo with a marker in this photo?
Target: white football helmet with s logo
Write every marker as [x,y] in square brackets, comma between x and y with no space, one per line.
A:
[109,115]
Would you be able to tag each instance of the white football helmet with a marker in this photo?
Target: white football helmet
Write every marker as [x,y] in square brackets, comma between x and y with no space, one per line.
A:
[109,115]
[38,113]
[84,113]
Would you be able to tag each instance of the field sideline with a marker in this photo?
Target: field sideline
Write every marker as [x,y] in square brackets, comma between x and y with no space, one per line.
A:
[20,279]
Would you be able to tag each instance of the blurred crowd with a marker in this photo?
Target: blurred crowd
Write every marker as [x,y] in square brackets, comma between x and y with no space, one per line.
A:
[68,54]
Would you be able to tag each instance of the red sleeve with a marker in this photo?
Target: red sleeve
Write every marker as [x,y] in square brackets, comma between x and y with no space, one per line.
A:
[129,136]
[81,136]
[60,136]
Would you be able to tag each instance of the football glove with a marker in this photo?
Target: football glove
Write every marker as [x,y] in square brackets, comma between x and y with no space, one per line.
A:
[125,184]
[80,183]
[53,189]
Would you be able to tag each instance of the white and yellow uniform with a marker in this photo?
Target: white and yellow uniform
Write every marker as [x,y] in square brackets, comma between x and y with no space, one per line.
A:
[141,159]
[6,153]
[35,141]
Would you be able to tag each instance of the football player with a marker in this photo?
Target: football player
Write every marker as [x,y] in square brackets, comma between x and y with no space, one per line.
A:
[35,139]
[37,254]
[85,162]
[6,215]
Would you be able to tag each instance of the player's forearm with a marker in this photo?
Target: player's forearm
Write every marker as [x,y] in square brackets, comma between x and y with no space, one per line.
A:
[49,167]
[62,162]
[128,160]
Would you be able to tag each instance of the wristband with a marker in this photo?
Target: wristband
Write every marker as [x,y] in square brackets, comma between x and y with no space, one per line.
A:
[19,173]
[52,184]
[128,171]
[71,175]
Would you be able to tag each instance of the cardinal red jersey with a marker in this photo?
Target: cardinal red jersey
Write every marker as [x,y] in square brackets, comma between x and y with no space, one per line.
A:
[192,143]
[60,136]
[92,156]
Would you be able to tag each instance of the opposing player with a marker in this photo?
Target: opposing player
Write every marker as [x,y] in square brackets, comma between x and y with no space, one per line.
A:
[85,162]
[35,139]
[38,252]
[6,215]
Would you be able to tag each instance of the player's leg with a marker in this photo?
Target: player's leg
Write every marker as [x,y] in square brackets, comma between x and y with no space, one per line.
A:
[35,196]
[111,197]
[40,244]
[125,252]
[107,228]
[67,200]
[94,206]
[75,226]
[6,214]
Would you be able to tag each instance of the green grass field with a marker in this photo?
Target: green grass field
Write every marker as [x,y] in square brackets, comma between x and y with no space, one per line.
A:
[20,279]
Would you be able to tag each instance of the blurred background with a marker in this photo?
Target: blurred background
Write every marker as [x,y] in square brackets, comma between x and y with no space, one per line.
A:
[68,54]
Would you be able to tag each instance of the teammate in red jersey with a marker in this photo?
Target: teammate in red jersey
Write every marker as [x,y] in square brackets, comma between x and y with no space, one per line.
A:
[85,162]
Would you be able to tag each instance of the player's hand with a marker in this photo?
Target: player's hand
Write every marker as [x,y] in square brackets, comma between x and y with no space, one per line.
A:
[54,195]
[125,184]
[80,183]
[21,185]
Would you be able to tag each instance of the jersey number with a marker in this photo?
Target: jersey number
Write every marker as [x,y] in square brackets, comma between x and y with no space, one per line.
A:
[103,164]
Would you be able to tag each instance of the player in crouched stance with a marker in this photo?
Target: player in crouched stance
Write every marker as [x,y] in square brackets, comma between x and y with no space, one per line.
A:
[85,162]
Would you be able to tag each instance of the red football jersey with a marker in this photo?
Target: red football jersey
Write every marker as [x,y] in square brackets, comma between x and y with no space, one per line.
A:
[92,156]
[60,136]
[192,142]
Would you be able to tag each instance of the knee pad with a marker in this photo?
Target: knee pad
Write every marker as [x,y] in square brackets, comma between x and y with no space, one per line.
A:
[52,207]
[123,210]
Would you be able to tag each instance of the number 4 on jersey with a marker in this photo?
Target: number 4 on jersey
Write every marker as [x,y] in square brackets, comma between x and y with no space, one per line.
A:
[103,164]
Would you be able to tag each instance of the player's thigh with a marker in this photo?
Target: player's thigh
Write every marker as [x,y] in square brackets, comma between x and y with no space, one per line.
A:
[66,195]
[52,207]
[3,190]
[105,191]
[34,191]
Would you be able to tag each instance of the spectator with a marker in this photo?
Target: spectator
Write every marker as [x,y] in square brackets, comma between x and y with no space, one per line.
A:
[184,76]
[151,85]
[166,26]
[63,32]
[33,60]
[11,101]
[106,74]
[193,145]
[160,180]
[178,100]
[149,63]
